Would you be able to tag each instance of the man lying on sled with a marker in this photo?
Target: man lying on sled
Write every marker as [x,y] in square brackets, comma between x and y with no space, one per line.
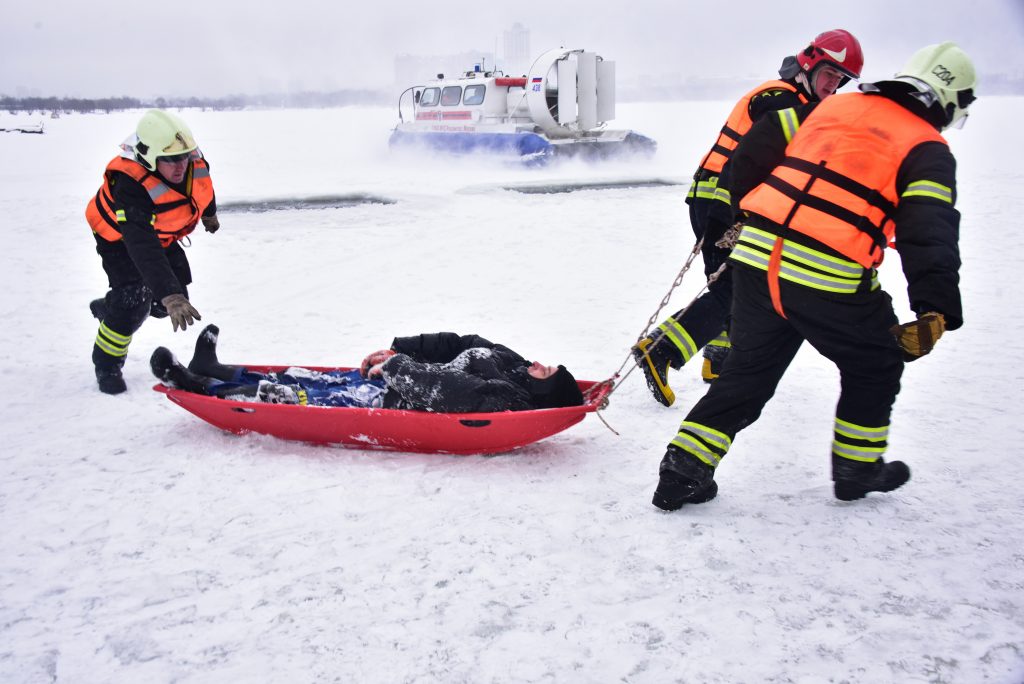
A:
[439,372]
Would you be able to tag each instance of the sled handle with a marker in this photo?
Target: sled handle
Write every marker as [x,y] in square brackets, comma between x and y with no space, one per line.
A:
[242,409]
[475,423]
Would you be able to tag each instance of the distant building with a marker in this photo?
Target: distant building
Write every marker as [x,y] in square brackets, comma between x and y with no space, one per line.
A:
[517,55]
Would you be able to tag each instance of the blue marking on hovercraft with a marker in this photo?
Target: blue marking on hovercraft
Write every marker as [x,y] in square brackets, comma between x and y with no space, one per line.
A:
[522,144]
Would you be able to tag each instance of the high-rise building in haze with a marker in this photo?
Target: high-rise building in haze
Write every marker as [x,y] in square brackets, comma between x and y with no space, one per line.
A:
[517,57]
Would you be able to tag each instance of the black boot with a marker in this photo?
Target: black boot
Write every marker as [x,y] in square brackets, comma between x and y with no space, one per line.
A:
[655,361]
[110,380]
[167,369]
[98,308]
[204,360]
[683,478]
[108,371]
[854,479]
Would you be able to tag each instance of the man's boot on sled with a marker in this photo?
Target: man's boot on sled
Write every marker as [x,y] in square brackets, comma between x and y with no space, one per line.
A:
[204,360]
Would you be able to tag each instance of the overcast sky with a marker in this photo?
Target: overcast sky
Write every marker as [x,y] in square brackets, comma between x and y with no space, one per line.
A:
[142,49]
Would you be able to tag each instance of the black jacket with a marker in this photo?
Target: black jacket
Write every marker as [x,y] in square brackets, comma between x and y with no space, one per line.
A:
[140,240]
[927,230]
[450,373]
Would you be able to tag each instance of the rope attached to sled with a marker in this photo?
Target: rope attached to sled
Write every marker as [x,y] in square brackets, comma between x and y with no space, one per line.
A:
[618,378]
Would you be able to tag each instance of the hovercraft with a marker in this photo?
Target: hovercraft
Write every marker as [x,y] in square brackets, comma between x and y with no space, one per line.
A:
[559,109]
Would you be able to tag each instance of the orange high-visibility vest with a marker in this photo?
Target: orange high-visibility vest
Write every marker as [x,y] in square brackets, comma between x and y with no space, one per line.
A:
[837,183]
[175,215]
[737,125]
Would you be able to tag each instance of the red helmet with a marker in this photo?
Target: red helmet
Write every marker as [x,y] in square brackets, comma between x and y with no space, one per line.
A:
[837,48]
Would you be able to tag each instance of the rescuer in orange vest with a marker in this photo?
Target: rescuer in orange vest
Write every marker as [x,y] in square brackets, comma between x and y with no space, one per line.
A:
[831,185]
[153,195]
[815,73]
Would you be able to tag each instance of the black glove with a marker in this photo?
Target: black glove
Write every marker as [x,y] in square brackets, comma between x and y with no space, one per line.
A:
[918,338]
[211,223]
[181,312]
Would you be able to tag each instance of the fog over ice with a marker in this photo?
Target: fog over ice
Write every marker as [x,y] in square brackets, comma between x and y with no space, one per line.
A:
[234,47]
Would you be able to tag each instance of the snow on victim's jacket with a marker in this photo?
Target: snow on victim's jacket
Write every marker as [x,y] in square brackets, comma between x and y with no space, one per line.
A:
[175,212]
[450,373]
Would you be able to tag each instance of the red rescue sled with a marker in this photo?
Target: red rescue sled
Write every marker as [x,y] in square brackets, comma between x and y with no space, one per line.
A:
[389,429]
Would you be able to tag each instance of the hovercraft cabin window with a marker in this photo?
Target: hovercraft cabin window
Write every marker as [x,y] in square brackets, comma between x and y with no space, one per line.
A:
[474,94]
[429,97]
[451,95]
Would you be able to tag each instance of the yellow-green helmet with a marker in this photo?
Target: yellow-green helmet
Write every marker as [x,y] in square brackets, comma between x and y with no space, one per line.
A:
[161,134]
[946,71]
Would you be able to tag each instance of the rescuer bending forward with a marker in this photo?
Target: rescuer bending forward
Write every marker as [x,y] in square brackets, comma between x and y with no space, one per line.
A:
[153,195]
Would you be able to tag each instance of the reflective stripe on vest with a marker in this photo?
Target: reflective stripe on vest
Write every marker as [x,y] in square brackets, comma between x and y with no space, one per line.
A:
[800,264]
[737,125]
[174,215]
[703,189]
[708,189]
[837,183]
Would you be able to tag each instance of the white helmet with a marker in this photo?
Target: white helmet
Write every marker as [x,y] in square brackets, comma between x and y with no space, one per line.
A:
[942,74]
[161,134]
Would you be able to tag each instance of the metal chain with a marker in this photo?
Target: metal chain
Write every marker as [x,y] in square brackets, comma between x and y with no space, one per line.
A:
[664,302]
[652,320]
[656,338]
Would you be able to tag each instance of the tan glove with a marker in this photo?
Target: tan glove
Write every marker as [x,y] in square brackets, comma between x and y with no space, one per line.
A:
[918,338]
[211,223]
[181,312]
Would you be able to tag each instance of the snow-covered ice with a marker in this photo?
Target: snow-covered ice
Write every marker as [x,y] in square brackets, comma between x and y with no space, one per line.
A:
[139,544]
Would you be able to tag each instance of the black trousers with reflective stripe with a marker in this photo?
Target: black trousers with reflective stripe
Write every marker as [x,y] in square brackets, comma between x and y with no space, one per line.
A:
[129,302]
[852,331]
[709,314]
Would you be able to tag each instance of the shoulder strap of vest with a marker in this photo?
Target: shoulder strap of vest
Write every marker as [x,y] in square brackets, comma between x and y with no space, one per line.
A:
[130,168]
[820,171]
[775,84]
[765,87]
[870,195]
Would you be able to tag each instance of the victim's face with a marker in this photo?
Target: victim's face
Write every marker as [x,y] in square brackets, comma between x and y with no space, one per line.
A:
[540,371]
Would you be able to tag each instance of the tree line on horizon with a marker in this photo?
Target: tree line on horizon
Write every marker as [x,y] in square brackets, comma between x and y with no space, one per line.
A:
[680,89]
[86,105]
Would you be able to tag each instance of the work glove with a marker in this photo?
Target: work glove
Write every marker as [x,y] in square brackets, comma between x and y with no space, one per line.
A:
[371,365]
[211,223]
[731,236]
[181,312]
[918,338]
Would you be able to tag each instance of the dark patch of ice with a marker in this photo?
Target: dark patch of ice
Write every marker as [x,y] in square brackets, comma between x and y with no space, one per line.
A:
[302,203]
